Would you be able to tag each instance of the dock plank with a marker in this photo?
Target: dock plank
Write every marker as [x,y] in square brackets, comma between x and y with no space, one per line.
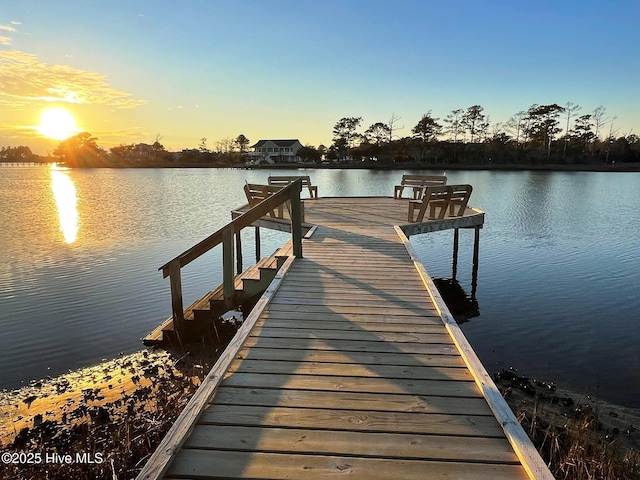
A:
[255,465]
[388,402]
[360,444]
[355,420]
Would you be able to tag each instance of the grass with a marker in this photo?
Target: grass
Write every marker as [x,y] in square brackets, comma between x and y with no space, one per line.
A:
[579,440]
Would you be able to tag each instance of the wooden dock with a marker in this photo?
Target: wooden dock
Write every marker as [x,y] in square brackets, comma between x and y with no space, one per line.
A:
[350,364]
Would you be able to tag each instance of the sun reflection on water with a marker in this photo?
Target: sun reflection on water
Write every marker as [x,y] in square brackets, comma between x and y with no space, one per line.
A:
[64,192]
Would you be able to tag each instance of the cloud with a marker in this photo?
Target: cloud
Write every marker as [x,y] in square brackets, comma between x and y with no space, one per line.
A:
[24,80]
[4,40]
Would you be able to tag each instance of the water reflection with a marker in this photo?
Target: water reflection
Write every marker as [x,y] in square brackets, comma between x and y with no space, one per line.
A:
[462,306]
[64,193]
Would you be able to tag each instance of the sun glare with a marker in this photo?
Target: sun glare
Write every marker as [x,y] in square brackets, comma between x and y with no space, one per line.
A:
[57,123]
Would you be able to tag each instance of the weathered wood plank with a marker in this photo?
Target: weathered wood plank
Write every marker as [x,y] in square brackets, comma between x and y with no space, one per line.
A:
[429,317]
[415,306]
[360,444]
[351,370]
[344,325]
[321,297]
[351,346]
[364,358]
[416,312]
[224,464]
[358,335]
[354,420]
[388,402]
[337,383]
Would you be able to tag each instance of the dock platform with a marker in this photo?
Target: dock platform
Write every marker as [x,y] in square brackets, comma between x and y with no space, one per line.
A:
[350,365]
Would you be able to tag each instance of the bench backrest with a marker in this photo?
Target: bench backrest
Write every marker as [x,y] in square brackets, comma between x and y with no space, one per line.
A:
[286,180]
[423,180]
[448,198]
[459,199]
[257,193]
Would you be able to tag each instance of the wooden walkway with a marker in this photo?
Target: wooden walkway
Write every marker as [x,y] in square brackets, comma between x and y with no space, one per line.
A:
[350,367]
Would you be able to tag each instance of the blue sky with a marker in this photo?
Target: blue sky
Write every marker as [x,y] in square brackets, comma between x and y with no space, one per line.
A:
[131,70]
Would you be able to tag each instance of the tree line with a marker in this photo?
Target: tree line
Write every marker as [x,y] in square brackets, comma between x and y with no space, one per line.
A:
[542,134]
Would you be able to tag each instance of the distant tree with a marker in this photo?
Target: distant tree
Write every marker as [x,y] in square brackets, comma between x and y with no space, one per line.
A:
[454,126]
[242,142]
[599,120]
[544,124]
[344,133]
[20,153]
[475,122]
[427,129]
[309,153]
[121,153]
[81,150]
[203,145]
[225,146]
[425,132]
[516,126]
[582,131]
[392,126]
[378,133]
[569,110]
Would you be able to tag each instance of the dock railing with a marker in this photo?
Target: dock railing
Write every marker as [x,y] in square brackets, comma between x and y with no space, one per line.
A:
[171,269]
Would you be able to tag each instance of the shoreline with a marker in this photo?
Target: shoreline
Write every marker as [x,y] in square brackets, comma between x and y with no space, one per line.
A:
[551,167]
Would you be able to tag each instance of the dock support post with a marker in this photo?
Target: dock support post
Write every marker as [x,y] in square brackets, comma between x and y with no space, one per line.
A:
[257,235]
[227,266]
[474,273]
[176,299]
[296,219]
[238,252]
[454,268]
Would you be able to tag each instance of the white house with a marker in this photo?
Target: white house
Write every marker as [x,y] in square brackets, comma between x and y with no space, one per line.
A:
[275,151]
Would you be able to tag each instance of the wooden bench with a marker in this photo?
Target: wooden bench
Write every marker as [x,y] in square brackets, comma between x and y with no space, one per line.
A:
[451,199]
[418,183]
[256,193]
[283,181]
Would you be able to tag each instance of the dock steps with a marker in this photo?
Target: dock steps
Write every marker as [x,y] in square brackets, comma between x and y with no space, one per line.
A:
[247,285]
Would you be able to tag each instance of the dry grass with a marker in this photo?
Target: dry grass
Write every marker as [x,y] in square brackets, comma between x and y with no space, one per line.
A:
[116,432]
[577,440]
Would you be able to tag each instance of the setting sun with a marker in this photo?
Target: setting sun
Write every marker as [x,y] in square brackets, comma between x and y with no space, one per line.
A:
[57,123]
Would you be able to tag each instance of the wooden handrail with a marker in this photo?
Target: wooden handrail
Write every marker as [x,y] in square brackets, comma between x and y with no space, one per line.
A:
[172,268]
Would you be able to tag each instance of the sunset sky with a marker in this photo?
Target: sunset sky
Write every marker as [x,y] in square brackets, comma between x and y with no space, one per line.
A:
[129,71]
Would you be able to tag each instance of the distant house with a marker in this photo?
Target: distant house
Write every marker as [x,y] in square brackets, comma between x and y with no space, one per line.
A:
[275,151]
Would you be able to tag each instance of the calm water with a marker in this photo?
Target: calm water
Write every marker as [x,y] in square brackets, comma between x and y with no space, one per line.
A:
[557,288]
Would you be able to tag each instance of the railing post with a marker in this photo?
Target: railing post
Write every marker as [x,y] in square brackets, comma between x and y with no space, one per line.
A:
[227,265]
[238,252]
[296,219]
[474,272]
[257,235]
[454,268]
[176,298]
